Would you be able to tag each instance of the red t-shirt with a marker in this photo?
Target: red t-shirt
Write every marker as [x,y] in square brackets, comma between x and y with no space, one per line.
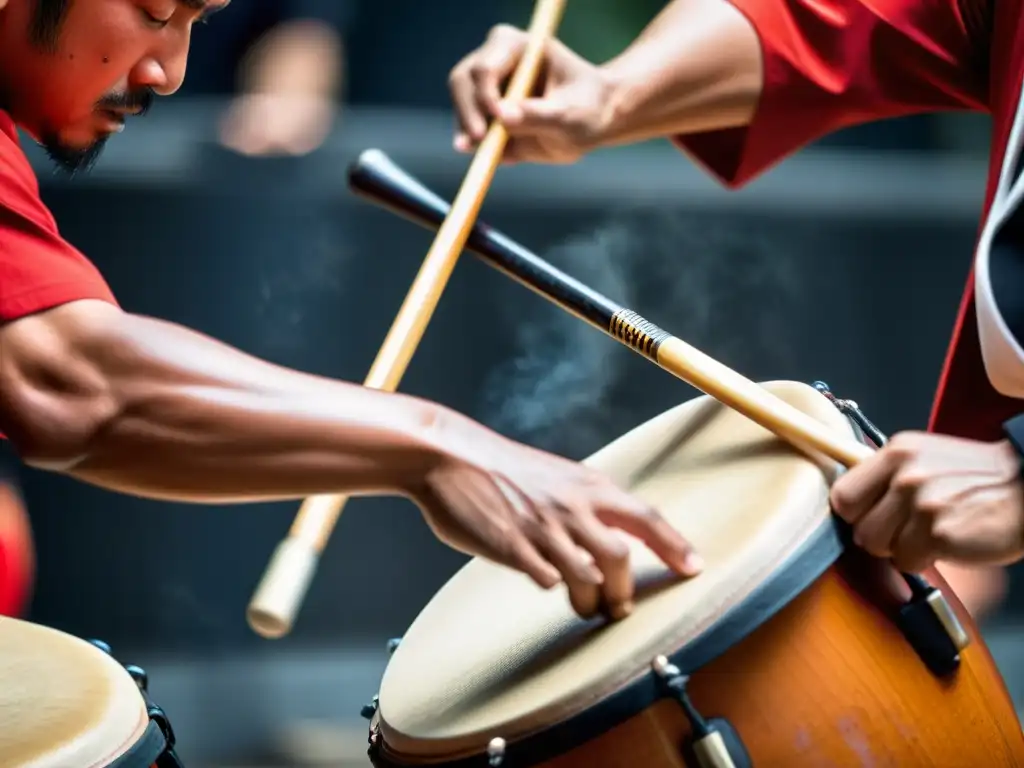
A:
[39,270]
[829,64]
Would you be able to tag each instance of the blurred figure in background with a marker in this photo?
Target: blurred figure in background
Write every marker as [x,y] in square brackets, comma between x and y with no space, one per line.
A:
[283,61]
[17,550]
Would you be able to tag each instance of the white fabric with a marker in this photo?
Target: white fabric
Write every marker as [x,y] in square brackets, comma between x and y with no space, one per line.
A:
[1002,353]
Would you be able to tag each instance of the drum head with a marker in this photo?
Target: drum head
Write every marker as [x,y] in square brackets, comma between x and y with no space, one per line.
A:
[63,702]
[492,655]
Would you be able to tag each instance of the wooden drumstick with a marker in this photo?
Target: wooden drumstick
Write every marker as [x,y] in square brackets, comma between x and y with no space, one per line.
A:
[377,178]
[276,601]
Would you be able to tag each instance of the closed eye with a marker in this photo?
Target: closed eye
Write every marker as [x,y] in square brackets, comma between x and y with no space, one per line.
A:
[153,21]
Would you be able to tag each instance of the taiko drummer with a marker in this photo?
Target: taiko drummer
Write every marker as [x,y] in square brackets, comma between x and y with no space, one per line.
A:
[150,408]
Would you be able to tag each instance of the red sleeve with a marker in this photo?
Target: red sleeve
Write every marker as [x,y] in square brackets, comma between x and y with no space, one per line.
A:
[39,270]
[830,64]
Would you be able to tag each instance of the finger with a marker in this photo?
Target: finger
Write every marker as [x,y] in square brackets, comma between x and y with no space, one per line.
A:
[877,530]
[861,488]
[520,550]
[463,143]
[462,86]
[582,577]
[648,525]
[532,116]
[611,555]
[522,555]
[495,65]
[916,547]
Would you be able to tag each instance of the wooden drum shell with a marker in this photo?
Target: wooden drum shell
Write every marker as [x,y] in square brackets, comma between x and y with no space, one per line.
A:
[830,681]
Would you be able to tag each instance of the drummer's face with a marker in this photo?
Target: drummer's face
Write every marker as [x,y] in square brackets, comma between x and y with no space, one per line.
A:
[71,70]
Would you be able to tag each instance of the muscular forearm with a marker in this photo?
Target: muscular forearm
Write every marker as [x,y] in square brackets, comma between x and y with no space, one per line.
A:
[696,67]
[147,407]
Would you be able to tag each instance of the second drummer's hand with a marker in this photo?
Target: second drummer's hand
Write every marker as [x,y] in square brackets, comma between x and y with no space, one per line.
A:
[696,67]
[546,516]
[926,497]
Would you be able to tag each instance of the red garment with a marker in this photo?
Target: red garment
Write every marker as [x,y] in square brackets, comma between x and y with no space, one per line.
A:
[38,270]
[829,64]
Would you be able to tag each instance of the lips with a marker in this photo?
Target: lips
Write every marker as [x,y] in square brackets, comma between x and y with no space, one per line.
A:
[115,120]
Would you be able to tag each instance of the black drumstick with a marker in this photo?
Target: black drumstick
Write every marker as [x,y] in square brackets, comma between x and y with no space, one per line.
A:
[375,177]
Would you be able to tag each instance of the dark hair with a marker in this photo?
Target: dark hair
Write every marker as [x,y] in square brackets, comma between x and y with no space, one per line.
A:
[47,20]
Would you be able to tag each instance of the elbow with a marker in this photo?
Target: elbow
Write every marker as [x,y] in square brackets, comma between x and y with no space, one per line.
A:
[54,400]
[57,432]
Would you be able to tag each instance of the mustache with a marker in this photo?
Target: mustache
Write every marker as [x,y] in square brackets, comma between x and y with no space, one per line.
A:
[139,101]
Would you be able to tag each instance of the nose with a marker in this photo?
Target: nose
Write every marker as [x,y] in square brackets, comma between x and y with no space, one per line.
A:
[163,76]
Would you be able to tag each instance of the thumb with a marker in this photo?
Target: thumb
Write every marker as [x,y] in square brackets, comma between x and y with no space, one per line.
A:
[530,116]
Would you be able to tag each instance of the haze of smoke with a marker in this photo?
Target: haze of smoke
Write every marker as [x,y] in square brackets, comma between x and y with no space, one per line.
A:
[565,367]
[718,287]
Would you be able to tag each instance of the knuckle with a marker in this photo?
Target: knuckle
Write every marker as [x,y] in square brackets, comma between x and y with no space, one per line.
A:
[534,527]
[943,538]
[614,550]
[908,478]
[904,444]
[505,32]
[842,498]
[460,75]
[479,68]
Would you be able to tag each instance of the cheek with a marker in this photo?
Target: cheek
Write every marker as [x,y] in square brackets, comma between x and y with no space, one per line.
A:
[97,54]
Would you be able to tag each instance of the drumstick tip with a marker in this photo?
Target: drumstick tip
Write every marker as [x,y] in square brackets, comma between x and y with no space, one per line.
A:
[272,610]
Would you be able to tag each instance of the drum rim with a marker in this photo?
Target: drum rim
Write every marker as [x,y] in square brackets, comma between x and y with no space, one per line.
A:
[144,752]
[819,552]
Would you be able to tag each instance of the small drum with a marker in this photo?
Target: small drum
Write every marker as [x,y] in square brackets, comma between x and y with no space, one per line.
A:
[66,703]
[792,648]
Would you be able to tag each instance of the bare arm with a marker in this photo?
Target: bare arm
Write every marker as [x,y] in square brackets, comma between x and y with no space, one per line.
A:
[696,67]
[147,407]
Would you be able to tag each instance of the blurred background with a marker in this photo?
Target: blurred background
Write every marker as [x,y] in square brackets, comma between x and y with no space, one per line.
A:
[227,210]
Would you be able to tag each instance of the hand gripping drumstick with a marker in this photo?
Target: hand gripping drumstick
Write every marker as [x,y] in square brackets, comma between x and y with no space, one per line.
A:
[273,607]
[375,177]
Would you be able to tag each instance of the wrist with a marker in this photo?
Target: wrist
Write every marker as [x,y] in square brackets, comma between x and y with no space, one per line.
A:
[423,443]
[621,102]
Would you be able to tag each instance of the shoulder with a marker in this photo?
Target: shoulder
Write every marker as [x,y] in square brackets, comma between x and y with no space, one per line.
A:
[19,187]
[39,269]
